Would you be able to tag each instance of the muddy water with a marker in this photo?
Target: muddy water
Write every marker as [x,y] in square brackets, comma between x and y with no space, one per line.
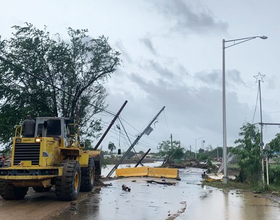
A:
[186,200]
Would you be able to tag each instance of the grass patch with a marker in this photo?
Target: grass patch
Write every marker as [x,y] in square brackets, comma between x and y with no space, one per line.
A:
[275,189]
[232,165]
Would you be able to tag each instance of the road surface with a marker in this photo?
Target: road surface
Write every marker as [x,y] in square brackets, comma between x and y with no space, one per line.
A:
[188,199]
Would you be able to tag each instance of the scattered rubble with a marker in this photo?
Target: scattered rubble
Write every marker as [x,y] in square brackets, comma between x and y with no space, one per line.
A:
[100,183]
[162,182]
[179,212]
[126,188]
[73,206]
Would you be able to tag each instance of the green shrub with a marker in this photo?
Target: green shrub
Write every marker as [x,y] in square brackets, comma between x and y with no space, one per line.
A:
[248,154]
[274,174]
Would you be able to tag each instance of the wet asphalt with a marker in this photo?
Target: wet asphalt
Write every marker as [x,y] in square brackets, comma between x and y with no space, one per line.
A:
[188,199]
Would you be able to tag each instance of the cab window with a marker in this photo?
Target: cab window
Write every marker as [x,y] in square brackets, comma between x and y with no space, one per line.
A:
[54,128]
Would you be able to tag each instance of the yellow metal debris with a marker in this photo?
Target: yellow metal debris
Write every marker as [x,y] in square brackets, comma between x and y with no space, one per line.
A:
[164,172]
[136,171]
[172,173]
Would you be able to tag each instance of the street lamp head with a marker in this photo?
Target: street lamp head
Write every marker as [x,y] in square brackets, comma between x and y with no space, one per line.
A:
[263,37]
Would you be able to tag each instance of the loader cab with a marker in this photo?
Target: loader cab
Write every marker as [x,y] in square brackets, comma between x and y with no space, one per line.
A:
[56,127]
[50,127]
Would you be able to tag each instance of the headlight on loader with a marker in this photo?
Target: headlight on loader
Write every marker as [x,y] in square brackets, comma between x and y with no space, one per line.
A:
[38,140]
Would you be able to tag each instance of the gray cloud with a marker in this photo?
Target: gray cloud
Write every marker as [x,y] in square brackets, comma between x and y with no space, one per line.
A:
[271,82]
[123,51]
[148,43]
[214,77]
[210,78]
[188,19]
[233,77]
[163,71]
[137,79]
[195,111]
[192,110]
[176,75]
[188,105]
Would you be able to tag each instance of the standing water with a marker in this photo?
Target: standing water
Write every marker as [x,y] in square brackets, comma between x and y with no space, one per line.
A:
[188,199]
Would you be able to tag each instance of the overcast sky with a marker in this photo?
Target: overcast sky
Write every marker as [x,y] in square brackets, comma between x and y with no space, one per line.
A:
[171,53]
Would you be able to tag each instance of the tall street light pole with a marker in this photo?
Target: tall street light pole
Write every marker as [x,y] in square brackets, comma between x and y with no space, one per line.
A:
[224,47]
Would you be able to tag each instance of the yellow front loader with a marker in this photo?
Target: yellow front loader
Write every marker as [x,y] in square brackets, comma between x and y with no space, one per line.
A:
[53,157]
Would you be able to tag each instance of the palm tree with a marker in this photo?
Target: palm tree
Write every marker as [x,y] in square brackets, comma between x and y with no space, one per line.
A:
[111,146]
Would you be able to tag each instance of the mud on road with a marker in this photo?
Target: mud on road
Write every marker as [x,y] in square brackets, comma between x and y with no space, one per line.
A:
[37,206]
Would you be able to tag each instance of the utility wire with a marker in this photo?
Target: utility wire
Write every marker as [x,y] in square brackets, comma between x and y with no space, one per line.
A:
[141,142]
[166,122]
[116,133]
[133,135]
[129,124]
[129,139]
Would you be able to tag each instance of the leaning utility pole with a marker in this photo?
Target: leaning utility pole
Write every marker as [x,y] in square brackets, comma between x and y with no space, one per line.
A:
[111,124]
[142,158]
[147,131]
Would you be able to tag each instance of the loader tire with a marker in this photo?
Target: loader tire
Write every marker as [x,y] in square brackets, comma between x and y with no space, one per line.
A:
[88,176]
[9,192]
[97,170]
[67,186]
[42,189]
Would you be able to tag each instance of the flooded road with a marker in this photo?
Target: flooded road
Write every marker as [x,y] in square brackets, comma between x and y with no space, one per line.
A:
[186,200]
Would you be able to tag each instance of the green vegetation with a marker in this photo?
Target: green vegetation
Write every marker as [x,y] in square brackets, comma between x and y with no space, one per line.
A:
[171,150]
[275,143]
[65,77]
[274,174]
[249,163]
[249,158]
[248,154]
[176,152]
[111,147]
[88,144]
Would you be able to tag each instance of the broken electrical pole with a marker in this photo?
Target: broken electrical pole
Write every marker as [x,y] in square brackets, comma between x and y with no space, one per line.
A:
[147,130]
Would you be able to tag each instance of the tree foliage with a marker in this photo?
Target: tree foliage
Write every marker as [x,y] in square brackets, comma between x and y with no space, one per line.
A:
[248,153]
[173,151]
[130,154]
[201,151]
[88,144]
[65,77]
[275,143]
[111,147]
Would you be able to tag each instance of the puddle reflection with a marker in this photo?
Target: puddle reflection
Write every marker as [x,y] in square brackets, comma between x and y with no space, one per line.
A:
[187,199]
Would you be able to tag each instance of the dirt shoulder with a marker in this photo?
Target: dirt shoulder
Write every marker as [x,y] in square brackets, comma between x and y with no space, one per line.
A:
[37,206]
[272,196]
[234,185]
